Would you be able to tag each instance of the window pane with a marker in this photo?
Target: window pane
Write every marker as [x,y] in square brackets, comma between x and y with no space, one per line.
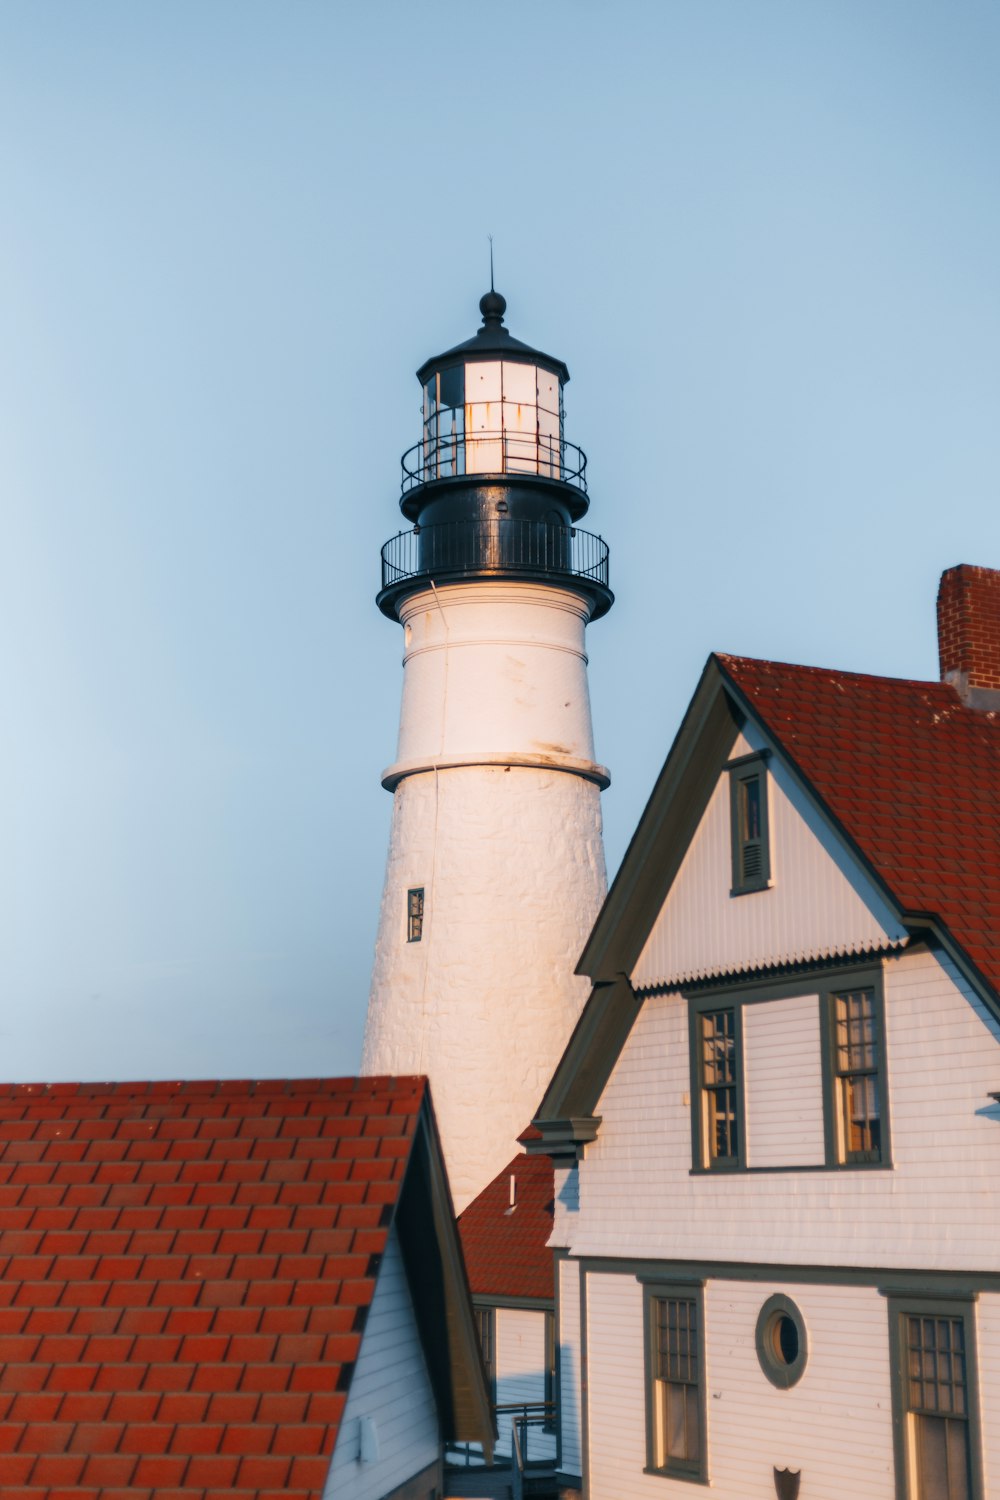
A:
[750,808]
[857,1032]
[942,1457]
[693,1423]
[719,1038]
[862,1131]
[453,386]
[676,1430]
[932,1458]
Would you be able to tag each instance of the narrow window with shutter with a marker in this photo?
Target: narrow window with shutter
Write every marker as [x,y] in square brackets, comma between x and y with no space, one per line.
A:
[749,822]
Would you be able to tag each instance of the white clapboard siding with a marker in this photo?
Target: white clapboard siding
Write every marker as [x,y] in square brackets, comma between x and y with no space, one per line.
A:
[938,1207]
[783,1080]
[569,1364]
[835,1425]
[390,1386]
[520,1375]
[820,902]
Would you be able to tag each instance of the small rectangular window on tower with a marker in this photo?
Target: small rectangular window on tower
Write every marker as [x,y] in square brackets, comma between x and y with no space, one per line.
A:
[415,914]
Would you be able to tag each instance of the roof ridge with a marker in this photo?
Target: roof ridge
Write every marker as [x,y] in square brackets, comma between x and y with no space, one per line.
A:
[726,657]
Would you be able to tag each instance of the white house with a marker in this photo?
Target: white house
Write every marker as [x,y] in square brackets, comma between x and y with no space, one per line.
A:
[776,1127]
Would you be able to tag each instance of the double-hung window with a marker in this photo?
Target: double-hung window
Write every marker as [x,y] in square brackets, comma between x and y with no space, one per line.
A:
[675,1381]
[856,1075]
[935,1409]
[717,1050]
[717,1106]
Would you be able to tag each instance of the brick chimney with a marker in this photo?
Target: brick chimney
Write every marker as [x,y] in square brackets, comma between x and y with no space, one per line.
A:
[968,615]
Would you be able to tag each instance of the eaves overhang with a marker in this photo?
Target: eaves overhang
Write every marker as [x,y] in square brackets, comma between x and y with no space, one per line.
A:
[439,1286]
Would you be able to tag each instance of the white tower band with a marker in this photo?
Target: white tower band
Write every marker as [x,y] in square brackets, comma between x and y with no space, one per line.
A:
[496,867]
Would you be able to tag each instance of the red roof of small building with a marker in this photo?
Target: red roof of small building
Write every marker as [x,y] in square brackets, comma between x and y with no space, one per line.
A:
[186,1271]
[505,1247]
[911,775]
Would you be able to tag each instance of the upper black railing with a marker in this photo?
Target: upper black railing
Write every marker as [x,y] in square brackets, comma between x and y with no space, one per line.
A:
[455,454]
[496,545]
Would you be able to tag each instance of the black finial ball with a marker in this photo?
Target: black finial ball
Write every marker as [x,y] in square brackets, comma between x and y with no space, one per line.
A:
[493,306]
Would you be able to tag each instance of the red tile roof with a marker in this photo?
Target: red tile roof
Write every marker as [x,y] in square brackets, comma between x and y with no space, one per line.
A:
[186,1269]
[505,1249]
[911,775]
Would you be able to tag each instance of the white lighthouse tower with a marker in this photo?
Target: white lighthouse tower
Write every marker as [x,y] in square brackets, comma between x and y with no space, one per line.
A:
[495,871]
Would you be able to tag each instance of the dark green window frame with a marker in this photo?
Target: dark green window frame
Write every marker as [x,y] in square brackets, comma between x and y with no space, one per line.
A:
[782,1341]
[935,1395]
[841,1072]
[856,1111]
[749,823]
[673,1316]
[716,1032]
[415,914]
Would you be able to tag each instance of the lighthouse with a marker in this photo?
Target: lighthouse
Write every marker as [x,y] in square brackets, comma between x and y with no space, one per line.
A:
[495,871]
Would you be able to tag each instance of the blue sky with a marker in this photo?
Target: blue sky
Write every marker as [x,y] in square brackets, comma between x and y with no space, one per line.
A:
[764,235]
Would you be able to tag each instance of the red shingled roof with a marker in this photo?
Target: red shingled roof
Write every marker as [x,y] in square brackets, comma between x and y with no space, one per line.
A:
[505,1252]
[186,1269]
[912,776]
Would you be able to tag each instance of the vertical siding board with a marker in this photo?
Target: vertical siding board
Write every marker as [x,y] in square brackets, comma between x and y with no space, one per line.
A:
[391,1385]
[818,904]
[835,1425]
[637,1193]
[569,1365]
[988,1338]
[783,1080]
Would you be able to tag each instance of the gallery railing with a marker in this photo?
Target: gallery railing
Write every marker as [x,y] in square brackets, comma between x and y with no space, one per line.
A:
[496,545]
[448,452]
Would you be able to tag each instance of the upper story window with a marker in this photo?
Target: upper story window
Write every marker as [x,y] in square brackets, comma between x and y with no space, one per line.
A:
[749,822]
[790,1074]
[719,1066]
[855,1069]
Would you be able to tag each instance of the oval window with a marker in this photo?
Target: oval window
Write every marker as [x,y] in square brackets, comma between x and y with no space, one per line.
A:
[781,1341]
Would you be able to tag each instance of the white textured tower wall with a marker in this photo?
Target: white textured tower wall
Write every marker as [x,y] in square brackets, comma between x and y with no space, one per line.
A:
[497,818]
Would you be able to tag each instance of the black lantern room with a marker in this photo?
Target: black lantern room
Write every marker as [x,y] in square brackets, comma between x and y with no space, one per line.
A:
[493,488]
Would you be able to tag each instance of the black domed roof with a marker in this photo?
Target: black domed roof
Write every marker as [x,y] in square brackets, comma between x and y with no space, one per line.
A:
[491,341]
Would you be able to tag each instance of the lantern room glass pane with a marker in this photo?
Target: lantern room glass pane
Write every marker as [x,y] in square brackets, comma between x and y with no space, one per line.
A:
[451,386]
[549,444]
[483,445]
[483,381]
[520,383]
[548,391]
